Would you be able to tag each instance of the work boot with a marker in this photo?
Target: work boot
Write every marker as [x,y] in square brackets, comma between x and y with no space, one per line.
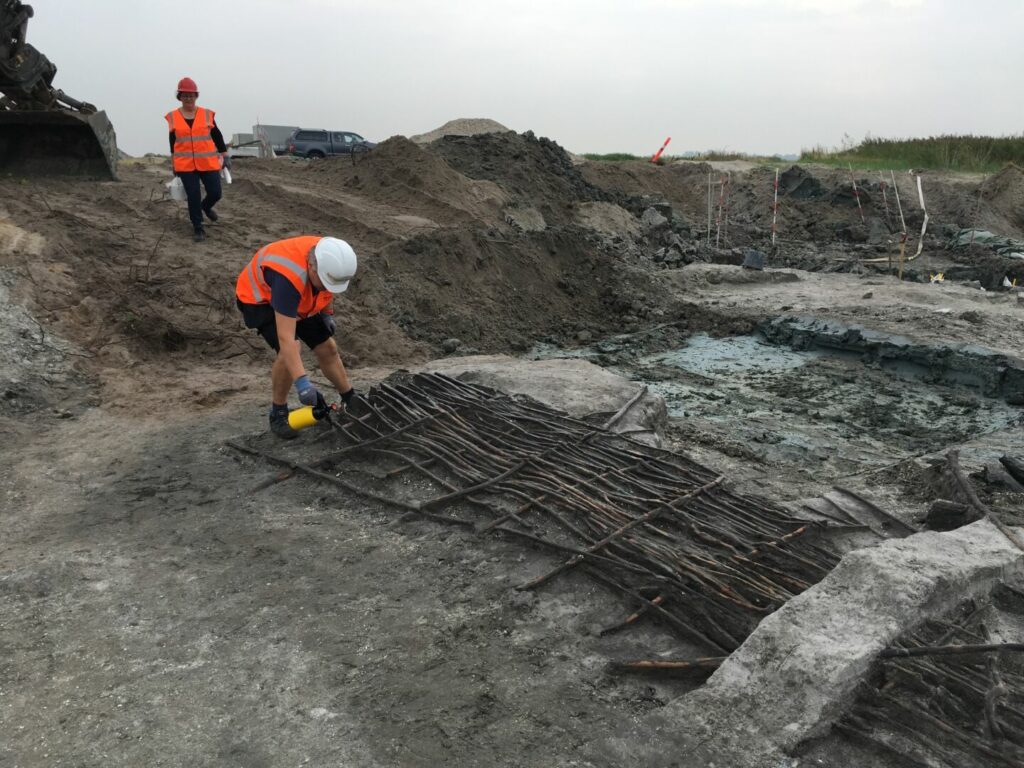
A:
[280,427]
[199,234]
[211,215]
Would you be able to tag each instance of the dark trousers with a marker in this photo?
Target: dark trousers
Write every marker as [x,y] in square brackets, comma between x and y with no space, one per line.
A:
[211,181]
[313,331]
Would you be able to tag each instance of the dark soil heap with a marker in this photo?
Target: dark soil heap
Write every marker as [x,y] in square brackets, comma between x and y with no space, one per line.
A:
[534,171]
[684,185]
[800,185]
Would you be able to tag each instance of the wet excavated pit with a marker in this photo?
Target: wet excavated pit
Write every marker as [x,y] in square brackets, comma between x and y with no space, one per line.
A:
[826,399]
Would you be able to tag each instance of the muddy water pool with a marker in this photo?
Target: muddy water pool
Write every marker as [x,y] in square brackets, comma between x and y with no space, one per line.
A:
[825,407]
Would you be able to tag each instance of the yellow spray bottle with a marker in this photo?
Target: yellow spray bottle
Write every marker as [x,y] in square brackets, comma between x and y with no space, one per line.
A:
[307,416]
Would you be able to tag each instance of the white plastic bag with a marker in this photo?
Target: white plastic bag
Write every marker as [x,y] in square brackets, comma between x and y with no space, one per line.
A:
[225,173]
[176,190]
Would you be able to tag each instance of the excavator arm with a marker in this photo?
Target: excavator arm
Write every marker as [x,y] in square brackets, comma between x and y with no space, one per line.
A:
[43,131]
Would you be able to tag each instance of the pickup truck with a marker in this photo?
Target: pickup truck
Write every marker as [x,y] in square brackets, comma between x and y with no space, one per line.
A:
[317,143]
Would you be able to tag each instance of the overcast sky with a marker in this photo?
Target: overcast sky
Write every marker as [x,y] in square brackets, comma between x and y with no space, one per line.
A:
[759,76]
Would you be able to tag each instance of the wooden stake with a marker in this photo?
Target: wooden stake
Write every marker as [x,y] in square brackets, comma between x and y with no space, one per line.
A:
[775,206]
[885,199]
[709,209]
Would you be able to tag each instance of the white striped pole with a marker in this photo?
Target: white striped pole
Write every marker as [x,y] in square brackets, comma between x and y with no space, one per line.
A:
[775,205]
[924,224]
[896,189]
[856,194]
[658,153]
[721,202]
[728,202]
[903,223]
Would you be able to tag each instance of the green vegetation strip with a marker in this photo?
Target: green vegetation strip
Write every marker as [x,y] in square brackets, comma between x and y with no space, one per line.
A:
[982,154]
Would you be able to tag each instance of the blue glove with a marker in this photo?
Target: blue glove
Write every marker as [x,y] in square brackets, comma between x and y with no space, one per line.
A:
[308,394]
[329,323]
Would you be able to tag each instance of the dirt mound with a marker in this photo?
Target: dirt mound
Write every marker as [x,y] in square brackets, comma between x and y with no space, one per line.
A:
[405,177]
[608,219]
[119,275]
[533,171]
[1004,192]
[124,281]
[798,184]
[494,294]
[684,185]
[112,268]
[463,126]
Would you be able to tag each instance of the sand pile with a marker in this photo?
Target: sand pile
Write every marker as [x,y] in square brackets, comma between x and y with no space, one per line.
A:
[463,126]
[1004,192]
[404,176]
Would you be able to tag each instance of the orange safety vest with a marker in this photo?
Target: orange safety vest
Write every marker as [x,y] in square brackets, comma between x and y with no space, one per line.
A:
[194,149]
[289,258]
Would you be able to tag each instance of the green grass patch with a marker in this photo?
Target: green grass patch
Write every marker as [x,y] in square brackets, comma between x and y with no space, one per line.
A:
[709,155]
[981,154]
[614,157]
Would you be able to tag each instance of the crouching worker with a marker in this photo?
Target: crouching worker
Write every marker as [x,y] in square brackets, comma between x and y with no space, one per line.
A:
[285,293]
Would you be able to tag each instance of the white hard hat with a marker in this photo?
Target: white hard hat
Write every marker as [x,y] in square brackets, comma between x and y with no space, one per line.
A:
[335,263]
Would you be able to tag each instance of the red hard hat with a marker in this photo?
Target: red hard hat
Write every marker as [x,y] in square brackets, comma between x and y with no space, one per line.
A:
[187,85]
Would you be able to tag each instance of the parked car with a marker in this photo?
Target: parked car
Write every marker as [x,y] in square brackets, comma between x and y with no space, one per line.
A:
[316,143]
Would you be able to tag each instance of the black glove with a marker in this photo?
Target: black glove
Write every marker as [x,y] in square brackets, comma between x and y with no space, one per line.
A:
[346,397]
[308,394]
[329,323]
[321,408]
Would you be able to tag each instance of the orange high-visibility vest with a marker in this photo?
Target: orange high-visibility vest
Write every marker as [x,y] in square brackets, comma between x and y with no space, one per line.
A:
[288,258]
[194,149]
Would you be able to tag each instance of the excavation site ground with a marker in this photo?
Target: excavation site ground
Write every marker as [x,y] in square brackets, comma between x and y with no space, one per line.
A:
[627,483]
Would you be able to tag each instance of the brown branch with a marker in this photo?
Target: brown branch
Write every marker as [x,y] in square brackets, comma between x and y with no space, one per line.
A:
[947,650]
[706,664]
[953,460]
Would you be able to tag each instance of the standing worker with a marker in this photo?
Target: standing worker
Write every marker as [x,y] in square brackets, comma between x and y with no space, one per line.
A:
[197,151]
[285,293]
